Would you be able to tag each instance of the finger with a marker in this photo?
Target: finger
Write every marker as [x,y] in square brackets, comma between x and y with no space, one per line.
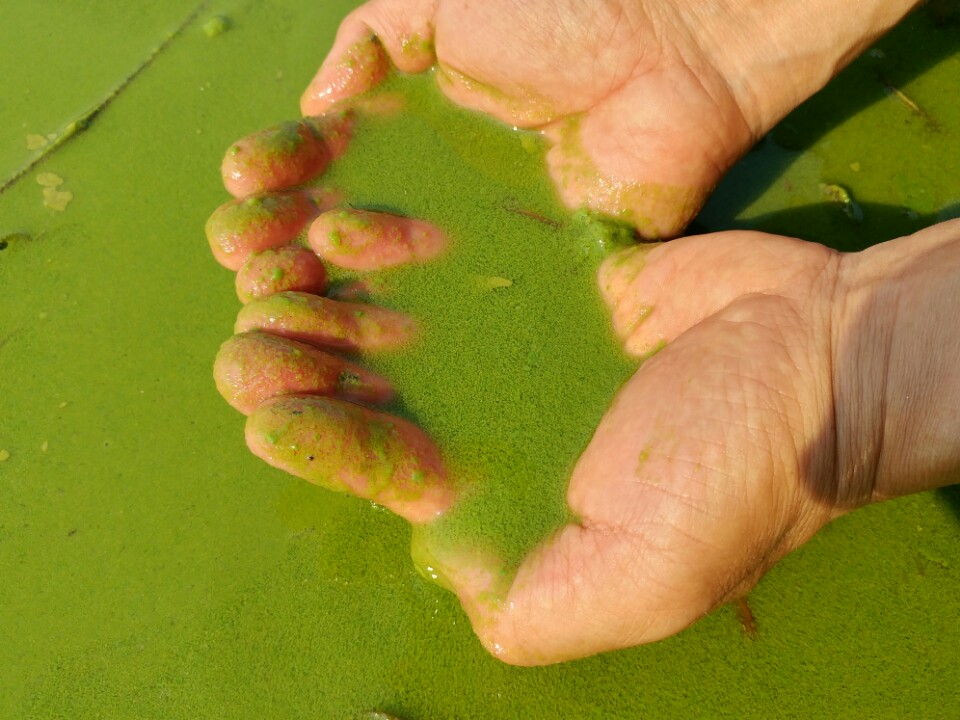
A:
[252,367]
[291,267]
[655,292]
[368,39]
[267,220]
[362,240]
[286,155]
[327,323]
[349,448]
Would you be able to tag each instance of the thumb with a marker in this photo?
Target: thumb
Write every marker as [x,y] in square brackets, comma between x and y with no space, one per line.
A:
[369,38]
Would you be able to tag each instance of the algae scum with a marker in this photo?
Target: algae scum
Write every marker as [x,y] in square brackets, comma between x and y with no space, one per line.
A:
[151,567]
[517,362]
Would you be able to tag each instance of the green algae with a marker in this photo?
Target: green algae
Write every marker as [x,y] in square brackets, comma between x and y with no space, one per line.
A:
[510,389]
[216,25]
[152,568]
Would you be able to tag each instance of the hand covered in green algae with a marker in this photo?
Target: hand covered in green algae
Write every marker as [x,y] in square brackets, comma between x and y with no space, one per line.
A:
[645,103]
[284,367]
[788,385]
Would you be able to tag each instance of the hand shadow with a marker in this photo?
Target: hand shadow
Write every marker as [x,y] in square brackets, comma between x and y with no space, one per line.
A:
[920,42]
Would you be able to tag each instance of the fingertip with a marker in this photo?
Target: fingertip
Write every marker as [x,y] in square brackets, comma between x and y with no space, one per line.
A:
[285,155]
[363,240]
[241,227]
[290,267]
[253,367]
[328,323]
[356,63]
[349,448]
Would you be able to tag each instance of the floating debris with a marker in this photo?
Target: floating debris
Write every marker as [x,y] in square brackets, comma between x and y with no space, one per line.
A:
[842,196]
[53,197]
[216,25]
[745,615]
[487,282]
[511,208]
[4,455]
[48,179]
[35,142]
[12,239]
[911,105]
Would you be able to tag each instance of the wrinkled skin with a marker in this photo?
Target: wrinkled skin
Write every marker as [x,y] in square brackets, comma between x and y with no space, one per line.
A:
[646,103]
[723,453]
[613,146]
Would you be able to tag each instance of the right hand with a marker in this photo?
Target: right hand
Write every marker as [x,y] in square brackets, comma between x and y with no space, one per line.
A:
[646,103]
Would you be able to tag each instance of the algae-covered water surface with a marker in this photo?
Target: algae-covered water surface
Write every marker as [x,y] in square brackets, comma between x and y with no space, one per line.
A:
[150,567]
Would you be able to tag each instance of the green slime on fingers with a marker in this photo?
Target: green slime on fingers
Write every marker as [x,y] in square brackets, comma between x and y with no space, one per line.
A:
[511,377]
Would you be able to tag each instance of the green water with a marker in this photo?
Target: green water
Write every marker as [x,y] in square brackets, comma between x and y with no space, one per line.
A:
[517,362]
[150,567]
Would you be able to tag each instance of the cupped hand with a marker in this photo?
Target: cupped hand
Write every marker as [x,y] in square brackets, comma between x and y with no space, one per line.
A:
[728,448]
[645,103]
[714,460]
[641,120]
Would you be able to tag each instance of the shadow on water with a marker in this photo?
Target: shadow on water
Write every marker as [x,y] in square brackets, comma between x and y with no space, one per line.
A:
[848,228]
[952,495]
[917,44]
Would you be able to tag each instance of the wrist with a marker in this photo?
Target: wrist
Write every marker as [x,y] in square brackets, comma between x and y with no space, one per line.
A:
[774,55]
[896,337]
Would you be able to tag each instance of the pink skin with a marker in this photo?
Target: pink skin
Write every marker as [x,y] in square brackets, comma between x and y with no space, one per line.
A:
[362,240]
[291,267]
[284,156]
[349,448]
[720,455]
[327,323]
[259,222]
[295,367]
[356,64]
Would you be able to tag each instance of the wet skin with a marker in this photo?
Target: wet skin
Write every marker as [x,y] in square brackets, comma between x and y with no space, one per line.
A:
[645,103]
[726,451]
[717,458]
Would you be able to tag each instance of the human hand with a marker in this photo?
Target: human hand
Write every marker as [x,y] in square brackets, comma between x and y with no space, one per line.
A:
[290,337]
[645,103]
[729,448]
[756,424]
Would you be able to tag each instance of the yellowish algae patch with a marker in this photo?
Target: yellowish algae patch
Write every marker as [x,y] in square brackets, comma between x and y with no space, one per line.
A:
[4,455]
[53,197]
[488,282]
[216,25]
[35,142]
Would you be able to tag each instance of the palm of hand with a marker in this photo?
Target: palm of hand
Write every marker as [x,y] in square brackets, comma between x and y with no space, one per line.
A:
[701,475]
[641,131]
